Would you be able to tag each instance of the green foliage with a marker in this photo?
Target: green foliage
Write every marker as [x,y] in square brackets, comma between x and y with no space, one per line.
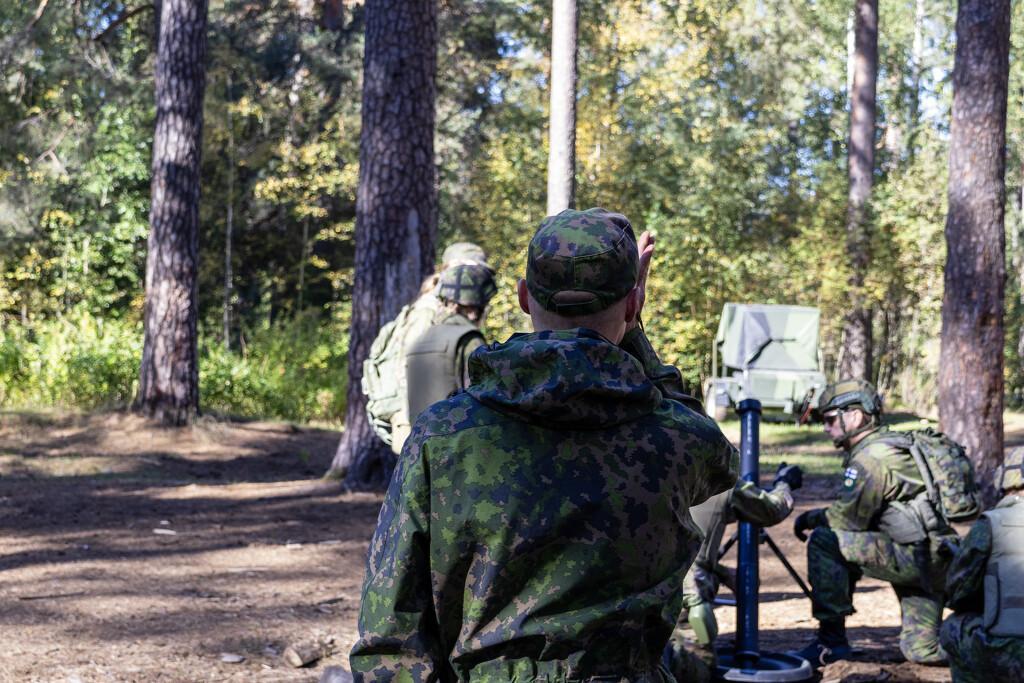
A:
[720,126]
[294,370]
[77,361]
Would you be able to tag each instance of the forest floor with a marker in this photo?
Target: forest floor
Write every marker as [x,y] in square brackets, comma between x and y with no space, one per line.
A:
[130,552]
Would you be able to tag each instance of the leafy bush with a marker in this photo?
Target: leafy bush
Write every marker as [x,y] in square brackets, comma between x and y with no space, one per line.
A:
[295,370]
[77,361]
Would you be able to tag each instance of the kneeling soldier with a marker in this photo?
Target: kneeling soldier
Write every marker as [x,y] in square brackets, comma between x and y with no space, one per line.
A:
[881,525]
[691,650]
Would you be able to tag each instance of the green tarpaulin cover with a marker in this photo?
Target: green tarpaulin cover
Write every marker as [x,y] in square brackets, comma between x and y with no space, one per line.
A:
[768,337]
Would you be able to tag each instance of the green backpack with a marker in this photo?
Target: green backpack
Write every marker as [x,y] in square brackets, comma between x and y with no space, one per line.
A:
[946,470]
[382,372]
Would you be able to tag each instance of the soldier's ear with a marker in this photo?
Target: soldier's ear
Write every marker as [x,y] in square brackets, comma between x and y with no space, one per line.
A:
[524,296]
[633,305]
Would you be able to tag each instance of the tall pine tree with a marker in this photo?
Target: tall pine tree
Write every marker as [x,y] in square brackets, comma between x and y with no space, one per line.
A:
[169,375]
[396,206]
[971,359]
[562,127]
[855,358]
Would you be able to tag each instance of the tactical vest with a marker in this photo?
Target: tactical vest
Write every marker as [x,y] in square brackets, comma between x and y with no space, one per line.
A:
[1004,576]
[432,369]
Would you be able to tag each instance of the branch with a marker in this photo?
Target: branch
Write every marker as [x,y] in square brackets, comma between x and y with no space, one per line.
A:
[38,15]
[121,19]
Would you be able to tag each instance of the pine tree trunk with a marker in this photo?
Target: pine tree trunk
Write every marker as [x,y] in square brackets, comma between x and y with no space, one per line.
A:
[971,360]
[169,376]
[562,128]
[857,342]
[396,205]
[229,278]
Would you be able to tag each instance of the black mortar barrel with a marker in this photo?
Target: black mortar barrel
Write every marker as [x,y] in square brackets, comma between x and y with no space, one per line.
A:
[747,582]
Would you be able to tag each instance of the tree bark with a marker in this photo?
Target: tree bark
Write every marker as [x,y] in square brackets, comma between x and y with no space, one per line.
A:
[971,359]
[229,278]
[857,342]
[169,375]
[396,205]
[562,127]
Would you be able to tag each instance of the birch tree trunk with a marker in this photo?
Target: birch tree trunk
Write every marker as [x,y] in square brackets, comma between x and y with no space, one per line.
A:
[971,359]
[856,360]
[562,127]
[169,374]
[396,205]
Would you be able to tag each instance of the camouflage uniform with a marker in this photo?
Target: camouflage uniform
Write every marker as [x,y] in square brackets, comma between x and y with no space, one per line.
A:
[537,525]
[418,317]
[974,654]
[436,363]
[690,659]
[848,544]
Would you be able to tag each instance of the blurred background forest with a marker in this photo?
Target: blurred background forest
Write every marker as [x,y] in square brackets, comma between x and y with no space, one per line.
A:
[720,125]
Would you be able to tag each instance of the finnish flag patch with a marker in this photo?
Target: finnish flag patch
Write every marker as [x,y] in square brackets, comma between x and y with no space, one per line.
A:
[850,477]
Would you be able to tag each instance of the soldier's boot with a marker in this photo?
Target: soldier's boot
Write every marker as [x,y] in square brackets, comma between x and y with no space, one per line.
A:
[830,646]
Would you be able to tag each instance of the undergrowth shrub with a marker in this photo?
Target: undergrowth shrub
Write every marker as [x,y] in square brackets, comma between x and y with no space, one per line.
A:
[77,361]
[293,370]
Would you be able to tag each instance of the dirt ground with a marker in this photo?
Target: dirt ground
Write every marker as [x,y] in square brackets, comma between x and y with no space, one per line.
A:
[135,553]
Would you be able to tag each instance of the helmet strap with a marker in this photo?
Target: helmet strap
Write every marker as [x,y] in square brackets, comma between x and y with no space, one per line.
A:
[844,439]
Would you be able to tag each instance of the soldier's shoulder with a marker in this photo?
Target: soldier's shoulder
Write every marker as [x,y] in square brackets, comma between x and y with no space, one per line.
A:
[689,425]
[883,445]
[451,415]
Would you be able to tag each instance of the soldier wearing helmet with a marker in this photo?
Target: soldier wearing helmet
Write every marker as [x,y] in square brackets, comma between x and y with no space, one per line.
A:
[984,637]
[873,528]
[384,371]
[436,363]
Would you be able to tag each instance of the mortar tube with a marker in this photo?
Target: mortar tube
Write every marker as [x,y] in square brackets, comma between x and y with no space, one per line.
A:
[747,581]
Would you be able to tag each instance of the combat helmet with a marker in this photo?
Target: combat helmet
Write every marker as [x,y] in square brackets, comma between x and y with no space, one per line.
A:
[850,393]
[463,253]
[468,284]
[1011,472]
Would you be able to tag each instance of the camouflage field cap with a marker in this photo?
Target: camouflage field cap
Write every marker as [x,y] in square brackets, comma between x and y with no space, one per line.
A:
[459,253]
[1011,475]
[582,262]
[470,284]
[850,392]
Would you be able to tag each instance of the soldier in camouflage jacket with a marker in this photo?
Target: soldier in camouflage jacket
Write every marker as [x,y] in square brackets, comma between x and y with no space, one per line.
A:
[852,537]
[537,525]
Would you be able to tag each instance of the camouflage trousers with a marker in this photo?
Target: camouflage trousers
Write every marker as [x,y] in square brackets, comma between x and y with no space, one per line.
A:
[974,655]
[836,560]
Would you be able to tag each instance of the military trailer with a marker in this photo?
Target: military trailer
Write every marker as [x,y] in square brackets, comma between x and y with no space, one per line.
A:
[767,352]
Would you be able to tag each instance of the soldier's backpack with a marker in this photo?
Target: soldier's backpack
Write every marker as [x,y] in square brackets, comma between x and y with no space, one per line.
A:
[946,470]
[385,395]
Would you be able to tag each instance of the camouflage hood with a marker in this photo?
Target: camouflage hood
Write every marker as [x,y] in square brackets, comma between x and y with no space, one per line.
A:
[572,379]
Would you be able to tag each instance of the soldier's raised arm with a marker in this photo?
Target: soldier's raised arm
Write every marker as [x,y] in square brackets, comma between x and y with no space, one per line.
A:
[666,377]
